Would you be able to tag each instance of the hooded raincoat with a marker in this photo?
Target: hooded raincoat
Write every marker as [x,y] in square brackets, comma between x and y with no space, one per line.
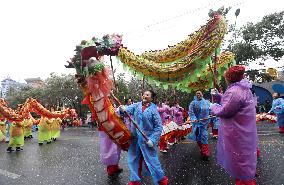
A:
[199,109]
[141,157]
[177,114]
[109,151]
[278,109]
[216,122]
[165,112]
[237,141]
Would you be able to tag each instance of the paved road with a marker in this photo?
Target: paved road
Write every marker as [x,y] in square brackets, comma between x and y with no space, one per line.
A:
[74,160]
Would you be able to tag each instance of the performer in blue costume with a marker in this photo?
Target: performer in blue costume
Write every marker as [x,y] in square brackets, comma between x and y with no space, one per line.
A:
[216,122]
[143,155]
[199,108]
[278,109]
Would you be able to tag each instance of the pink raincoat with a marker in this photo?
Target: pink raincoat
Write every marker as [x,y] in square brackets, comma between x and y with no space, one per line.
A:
[165,112]
[237,142]
[177,113]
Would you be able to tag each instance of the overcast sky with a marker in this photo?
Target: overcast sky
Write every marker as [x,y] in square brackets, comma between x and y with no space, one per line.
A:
[37,37]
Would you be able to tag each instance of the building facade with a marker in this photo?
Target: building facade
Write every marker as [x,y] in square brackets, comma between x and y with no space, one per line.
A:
[6,84]
[34,82]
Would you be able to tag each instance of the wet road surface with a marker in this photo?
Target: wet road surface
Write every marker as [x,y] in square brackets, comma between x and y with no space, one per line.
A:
[74,160]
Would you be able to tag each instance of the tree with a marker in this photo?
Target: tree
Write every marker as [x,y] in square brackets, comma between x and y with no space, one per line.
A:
[133,89]
[123,91]
[61,90]
[17,96]
[259,77]
[58,91]
[262,40]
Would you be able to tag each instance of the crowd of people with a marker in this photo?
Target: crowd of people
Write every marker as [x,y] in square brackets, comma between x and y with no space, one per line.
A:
[15,133]
[232,116]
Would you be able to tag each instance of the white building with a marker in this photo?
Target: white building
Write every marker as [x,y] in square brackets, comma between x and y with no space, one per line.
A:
[6,84]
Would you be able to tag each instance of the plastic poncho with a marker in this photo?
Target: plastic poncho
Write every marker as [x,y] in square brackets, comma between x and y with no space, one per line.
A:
[109,151]
[151,123]
[199,109]
[165,112]
[177,113]
[216,122]
[278,109]
[237,135]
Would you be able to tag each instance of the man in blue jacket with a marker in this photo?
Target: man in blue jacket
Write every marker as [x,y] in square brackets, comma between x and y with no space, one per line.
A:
[143,154]
[198,109]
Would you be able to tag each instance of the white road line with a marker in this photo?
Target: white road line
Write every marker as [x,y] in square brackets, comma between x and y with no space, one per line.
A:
[266,131]
[268,134]
[9,174]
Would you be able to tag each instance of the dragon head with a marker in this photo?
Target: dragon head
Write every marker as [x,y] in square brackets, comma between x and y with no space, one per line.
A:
[107,45]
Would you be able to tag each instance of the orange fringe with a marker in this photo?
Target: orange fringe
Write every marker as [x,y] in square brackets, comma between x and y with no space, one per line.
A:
[101,81]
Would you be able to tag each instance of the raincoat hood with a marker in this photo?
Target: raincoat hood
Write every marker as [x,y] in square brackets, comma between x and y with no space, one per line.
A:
[244,83]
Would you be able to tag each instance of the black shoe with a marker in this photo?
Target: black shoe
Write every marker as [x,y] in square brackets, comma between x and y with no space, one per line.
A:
[40,144]
[9,149]
[257,173]
[120,170]
[54,139]
[205,158]
[18,149]
[116,173]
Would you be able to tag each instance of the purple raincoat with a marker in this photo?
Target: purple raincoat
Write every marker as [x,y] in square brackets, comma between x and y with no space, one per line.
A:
[237,140]
[165,112]
[109,151]
[177,114]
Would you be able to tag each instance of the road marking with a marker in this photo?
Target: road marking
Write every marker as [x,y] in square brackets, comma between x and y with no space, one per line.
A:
[268,134]
[275,142]
[77,138]
[9,174]
[70,138]
[267,131]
